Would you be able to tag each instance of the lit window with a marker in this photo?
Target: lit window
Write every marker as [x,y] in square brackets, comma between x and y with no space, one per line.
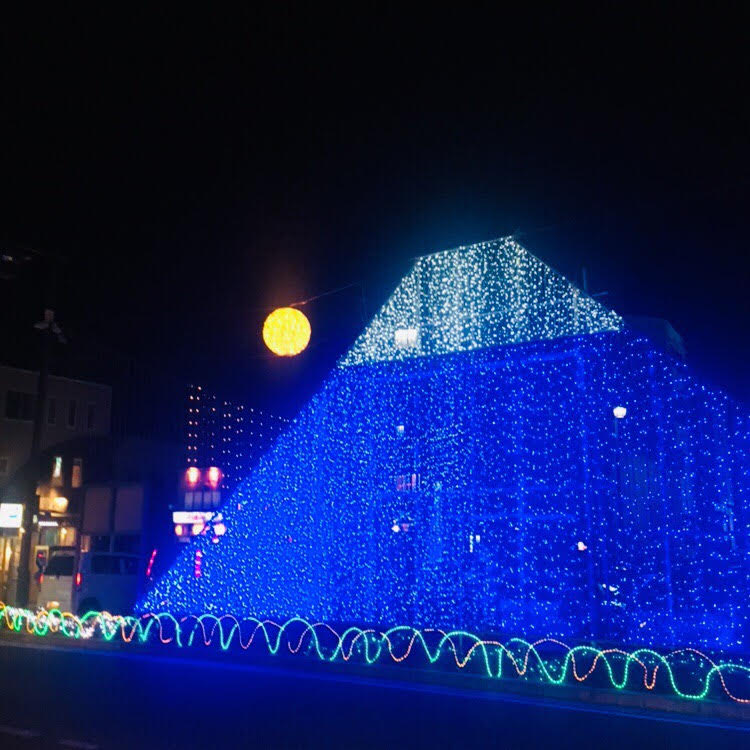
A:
[57,467]
[59,504]
[77,478]
[213,477]
[407,482]
[406,338]
[192,476]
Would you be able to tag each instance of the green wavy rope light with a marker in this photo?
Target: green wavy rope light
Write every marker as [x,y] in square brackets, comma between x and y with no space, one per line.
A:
[519,658]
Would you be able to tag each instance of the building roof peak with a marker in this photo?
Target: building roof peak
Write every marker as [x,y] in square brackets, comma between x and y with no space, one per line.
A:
[488,294]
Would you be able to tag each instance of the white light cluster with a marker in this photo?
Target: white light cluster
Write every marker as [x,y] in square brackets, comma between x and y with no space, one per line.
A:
[475,297]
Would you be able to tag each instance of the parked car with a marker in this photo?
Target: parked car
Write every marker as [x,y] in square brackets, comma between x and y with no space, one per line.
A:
[109,581]
[56,580]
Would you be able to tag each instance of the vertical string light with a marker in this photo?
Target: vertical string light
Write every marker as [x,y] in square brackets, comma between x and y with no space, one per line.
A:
[226,434]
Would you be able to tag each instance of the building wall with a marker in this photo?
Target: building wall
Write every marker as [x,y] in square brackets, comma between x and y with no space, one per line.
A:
[496,490]
[90,416]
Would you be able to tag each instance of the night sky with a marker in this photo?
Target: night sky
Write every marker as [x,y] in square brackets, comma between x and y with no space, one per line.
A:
[185,175]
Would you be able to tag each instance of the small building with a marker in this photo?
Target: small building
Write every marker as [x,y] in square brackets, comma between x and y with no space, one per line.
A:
[74,411]
[224,440]
[100,493]
[74,408]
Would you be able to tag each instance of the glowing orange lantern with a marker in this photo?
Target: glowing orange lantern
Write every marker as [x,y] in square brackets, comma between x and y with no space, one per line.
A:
[286,331]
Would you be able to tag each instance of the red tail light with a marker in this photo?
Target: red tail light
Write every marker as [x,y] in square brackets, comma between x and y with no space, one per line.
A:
[79,578]
[41,579]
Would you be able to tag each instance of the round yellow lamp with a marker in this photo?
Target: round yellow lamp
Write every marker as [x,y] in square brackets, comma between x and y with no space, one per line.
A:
[286,331]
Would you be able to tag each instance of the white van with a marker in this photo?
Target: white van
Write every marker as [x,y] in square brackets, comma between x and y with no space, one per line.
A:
[101,581]
[108,580]
[56,581]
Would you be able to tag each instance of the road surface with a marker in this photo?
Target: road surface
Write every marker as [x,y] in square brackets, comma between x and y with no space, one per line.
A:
[66,697]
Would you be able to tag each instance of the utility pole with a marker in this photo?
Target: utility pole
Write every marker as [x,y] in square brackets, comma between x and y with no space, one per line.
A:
[50,332]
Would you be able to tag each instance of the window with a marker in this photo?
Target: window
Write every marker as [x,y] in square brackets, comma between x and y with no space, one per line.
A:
[91,417]
[3,466]
[406,338]
[129,566]
[48,538]
[127,543]
[19,405]
[60,565]
[77,478]
[57,467]
[105,565]
[114,565]
[72,413]
[407,482]
[51,411]
[99,543]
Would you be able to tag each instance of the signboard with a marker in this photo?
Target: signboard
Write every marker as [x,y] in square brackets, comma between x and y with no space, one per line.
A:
[189,517]
[11,515]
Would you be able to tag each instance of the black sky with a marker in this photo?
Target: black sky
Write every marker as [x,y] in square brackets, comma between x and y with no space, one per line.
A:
[195,171]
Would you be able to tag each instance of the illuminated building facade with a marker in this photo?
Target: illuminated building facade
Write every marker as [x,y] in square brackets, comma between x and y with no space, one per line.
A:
[226,434]
[496,452]
[223,442]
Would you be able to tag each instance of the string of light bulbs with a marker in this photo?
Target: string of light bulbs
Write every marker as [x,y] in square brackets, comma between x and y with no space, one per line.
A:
[515,658]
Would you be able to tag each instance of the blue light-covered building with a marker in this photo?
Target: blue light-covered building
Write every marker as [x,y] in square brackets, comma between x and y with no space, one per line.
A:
[496,452]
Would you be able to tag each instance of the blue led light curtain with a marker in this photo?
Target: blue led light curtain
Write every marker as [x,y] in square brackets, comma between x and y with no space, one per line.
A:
[483,482]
